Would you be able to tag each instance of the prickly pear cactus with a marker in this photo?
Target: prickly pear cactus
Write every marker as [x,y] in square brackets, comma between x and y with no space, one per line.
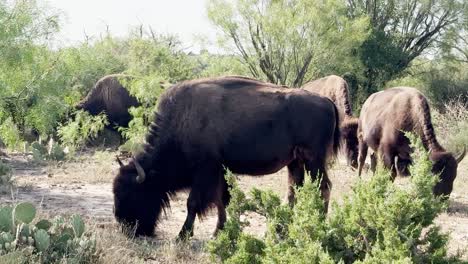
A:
[44,224]
[46,241]
[6,219]
[56,152]
[39,151]
[42,240]
[24,213]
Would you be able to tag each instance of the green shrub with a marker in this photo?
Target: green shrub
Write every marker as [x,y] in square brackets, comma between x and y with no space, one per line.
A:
[379,222]
[9,134]
[82,128]
[58,240]
[147,89]
[136,130]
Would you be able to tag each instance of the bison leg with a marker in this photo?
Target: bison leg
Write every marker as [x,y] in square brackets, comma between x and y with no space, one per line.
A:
[362,156]
[203,194]
[316,170]
[373,162]
[193,205]
[295,178]
[388,161]
[221,203]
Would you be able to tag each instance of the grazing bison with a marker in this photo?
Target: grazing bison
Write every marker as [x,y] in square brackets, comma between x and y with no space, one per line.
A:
[384,116]
[109,96]
[336,88]
[203,126]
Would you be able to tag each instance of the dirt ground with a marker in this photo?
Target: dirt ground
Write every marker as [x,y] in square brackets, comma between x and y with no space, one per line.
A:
[84,186]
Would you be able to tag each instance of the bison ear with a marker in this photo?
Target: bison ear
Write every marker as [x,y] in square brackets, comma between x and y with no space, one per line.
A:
[461,156]
[119,161]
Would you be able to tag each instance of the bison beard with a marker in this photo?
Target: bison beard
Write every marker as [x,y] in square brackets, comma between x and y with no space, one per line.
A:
[384,116]
[202,126]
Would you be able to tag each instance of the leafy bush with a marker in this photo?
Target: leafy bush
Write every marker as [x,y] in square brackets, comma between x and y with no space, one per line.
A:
[379,222]
[83,127]
[59,240]
[52,152]
[9,134]
[137,129]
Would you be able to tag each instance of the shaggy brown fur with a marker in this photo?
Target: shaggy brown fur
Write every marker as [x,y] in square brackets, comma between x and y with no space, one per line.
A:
[109,96]
[384,116]
[204,126]
[336,88]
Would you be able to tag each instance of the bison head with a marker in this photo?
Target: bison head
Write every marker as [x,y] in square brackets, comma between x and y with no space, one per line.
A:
[445,165]
[136,205]
[350,141]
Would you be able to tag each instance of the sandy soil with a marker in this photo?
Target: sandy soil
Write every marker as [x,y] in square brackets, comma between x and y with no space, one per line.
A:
[84,186]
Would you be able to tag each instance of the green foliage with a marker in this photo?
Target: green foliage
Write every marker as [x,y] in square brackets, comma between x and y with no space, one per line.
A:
[82,128]
[58,240]
[84,64]
[379,222]
[289,42]
[147,89]
[155,62]
[9,134]
[39,151]
[137,129]
[401,31]
[441,80]
[445,81]
[27,70]
[211,65]
[42,153]
[231,245]
[160,56]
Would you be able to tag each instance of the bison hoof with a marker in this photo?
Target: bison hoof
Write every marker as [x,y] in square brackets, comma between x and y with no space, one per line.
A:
[184,236]
[215,233]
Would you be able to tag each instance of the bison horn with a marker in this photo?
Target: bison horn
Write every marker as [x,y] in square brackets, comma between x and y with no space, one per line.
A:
[119,161]
[462,155]
[396,165]
[141,172]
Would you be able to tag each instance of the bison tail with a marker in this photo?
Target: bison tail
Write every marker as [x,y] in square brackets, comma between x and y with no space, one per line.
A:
[336,133]
[429,138]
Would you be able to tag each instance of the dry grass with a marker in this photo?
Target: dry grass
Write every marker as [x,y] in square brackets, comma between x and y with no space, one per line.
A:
[114,247]
[451,125]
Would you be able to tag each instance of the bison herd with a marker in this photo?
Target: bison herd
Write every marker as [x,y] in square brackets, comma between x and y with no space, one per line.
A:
[203,127]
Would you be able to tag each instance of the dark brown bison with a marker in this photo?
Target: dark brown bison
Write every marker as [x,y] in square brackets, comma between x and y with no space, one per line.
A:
[110,97]
[336,88]
[204,126]
[384,116]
